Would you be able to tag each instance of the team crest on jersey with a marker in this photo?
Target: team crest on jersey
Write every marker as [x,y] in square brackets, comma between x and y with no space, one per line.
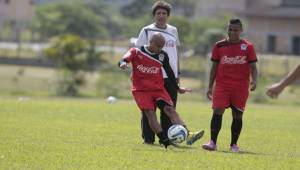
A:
[161,57]
[244,47]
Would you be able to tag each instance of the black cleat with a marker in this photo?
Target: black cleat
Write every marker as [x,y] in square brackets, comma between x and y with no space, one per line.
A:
[193,137]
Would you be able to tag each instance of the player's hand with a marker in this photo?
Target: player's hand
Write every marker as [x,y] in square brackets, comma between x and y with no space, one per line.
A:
[183,90]
[253,85]
[274,90]
[123,65]
[209,94]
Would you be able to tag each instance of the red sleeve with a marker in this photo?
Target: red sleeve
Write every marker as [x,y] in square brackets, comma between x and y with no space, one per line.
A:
[130,54]
[215,54]
[251,54]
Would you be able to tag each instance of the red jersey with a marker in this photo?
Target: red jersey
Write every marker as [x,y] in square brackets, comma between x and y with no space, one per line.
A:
[233,59]
[147,67]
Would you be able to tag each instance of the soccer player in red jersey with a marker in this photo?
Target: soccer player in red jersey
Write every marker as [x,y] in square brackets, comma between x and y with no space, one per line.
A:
[148,84]
[233,63]
[161,11]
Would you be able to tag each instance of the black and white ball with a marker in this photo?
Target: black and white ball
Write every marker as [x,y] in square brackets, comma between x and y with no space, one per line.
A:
[177,133]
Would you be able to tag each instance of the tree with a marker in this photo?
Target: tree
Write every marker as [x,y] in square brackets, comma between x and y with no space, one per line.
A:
[183,25]
[62,18]
[137,8]
[72,55]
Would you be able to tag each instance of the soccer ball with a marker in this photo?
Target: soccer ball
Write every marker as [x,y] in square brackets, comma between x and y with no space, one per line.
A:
[177,133]
[111,99]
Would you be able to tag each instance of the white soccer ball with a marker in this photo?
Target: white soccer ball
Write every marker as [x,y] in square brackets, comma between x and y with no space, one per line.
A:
[177,133]
[111,99]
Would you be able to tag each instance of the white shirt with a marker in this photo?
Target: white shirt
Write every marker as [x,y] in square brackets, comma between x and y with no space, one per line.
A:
[172,41]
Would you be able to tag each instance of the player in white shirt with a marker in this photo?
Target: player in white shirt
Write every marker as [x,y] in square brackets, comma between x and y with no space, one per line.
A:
[172,41]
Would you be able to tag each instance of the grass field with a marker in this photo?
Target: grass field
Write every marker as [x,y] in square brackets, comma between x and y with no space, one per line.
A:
[61,133]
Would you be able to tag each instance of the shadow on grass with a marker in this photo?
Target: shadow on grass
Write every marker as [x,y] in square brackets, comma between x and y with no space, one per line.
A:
[241,152]
[182,148]
[171,147]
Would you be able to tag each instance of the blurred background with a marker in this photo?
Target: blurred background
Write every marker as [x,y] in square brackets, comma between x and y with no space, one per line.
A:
[50,48]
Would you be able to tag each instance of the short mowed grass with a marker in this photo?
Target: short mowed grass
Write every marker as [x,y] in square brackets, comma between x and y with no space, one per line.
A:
[59,133]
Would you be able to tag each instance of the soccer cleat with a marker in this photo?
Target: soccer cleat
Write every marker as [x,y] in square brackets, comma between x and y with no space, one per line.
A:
[193,137]
[211,146]
[234,148]
[165,142]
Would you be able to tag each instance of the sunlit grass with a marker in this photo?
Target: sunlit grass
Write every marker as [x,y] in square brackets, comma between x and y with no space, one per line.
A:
[91,134]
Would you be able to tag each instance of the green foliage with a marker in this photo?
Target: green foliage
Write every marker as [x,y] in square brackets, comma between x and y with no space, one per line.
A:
[69,51]
[137,8]
[73,55]
[114,82]
[68,82]
[183,25]
[133,27]
[207,40]
[188,7]
[204,32]
[61,18]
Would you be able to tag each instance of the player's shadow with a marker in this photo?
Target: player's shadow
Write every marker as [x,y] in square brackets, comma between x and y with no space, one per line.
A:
[176,148]
[241,152]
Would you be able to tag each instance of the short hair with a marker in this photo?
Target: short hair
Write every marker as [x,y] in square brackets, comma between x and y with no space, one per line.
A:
[236,21]
[161,5]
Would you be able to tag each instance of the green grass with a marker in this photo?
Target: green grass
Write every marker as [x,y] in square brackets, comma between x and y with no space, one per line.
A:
[60,133]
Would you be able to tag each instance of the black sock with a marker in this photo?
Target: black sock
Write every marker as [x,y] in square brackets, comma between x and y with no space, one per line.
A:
[162,136]
[236,128]
[215,126]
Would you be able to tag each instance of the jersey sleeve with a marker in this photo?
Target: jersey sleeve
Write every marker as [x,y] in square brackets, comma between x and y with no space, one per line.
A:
[142,39]
[215,54]
[251,54]
[129,55]
[177,37]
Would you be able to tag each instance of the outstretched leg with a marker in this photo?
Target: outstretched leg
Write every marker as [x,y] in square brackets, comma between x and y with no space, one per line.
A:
[170,112]
[175,119]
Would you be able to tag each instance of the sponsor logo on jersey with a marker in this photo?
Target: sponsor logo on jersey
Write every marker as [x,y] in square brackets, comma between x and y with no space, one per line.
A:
[161,57]
[244,47]
[148,70]
[234,60]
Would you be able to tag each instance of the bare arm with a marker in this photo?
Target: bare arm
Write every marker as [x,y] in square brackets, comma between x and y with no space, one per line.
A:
[212,77]
[253,76]
[275,89]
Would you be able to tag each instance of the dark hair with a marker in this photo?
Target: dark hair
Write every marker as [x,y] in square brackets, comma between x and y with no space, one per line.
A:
[161,5]
[236,21]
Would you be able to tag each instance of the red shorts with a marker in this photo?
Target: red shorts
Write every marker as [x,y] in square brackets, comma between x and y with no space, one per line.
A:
[224,97]
[148,99]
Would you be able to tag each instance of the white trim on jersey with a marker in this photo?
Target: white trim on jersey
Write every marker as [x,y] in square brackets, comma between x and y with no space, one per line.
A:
[149,56]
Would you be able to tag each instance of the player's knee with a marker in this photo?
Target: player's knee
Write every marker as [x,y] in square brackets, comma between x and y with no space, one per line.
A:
[148,112]
[168,109]
[237,113]
[218,111]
